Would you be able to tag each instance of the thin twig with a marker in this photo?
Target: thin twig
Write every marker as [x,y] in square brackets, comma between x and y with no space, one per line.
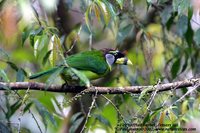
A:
[36,14]
[118,111]
[152,97]
[89,112]
[29,110]
[74,98]
[35,120]
[187,93]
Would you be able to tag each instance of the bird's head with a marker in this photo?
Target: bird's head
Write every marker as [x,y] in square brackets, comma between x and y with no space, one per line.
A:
[116,57]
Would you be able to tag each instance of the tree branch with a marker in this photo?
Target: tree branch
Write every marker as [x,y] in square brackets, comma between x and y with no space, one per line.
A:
[100,90]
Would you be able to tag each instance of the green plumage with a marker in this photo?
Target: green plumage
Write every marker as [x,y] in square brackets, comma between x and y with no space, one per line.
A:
[40,74]
[90,60]
[78,68]
[91,63]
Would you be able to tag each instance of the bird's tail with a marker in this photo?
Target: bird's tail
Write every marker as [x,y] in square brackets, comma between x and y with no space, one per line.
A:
[44,73]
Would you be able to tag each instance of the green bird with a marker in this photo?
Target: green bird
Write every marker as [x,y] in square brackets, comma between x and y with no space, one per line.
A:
[92,64]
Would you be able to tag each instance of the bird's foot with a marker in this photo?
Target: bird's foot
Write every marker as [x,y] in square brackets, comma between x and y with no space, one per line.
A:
[66,86]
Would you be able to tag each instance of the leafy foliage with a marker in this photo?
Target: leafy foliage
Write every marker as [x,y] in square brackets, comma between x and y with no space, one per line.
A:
[75,121]
[12,109]
[158,37]
[44,113]
[196,37]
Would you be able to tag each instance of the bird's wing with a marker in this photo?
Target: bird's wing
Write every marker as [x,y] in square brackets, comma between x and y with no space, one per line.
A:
[93,61]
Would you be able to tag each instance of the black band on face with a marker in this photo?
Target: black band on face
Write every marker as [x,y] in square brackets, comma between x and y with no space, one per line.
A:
[119,55]
[125,61]
[116,54]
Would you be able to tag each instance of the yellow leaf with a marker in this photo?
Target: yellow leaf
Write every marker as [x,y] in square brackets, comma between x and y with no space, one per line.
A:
[52,56]
[162,117]
[120,2]
[73,36]
[96,11]
[184,107]
[36,45]
[105,11]
[171,115]
[58,44]
[87,19]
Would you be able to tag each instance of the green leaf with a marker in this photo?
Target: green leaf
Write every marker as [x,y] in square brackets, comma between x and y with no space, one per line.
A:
[81,76]
[4,76]
[149,1]
[57,107]
[75,125]
[189,35]
[2,3]
[25,34]
[104,10]
[75,117]
[58,44]
[185,64]
[75,121]
[124,32]
[87,17]
[55,48]
[43,41]
[181,6]
[146,119]
[36,45]
[120,2]
[162,1]
[27,107]
[31,38]
[144,92]
[34,33]
[110,8]
[53,76]
[190,13]
[97,12]
[13,108]
[185,106]
[102,119]
[44,113]
[52,55]
[155,112]
[166,14]
[175,68]
[20,75]
[46,57]
[177,51]
[170,22]
[37,31]
[12,65]
[197,37]
[182,25]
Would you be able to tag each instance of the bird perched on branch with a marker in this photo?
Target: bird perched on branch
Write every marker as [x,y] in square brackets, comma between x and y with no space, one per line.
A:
[90,64]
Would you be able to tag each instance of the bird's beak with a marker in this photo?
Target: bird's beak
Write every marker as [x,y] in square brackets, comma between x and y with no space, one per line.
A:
[124,61]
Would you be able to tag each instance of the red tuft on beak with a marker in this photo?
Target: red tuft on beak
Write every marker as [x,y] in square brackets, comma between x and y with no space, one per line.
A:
[125,52]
